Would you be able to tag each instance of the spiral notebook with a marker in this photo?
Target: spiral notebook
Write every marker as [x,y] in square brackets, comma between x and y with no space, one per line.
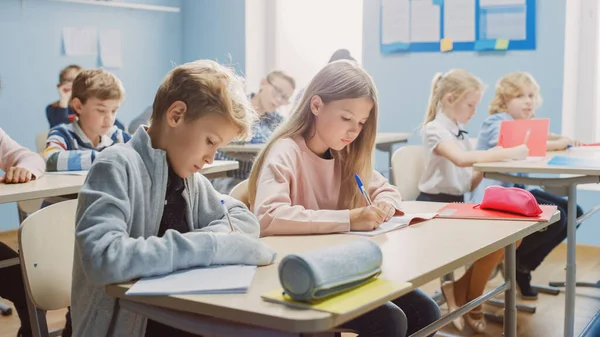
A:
[469,211]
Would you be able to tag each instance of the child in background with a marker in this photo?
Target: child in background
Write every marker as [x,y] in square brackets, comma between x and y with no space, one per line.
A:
[517,97]
[60,112]
[449,175]
[275,91]
[96,97]
[303,181]
[144,209]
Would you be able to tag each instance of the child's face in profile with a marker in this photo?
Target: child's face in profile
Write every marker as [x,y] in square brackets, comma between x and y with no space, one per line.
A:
[464,108]
[521,106]
[96,116]
[194,144]
[338,123]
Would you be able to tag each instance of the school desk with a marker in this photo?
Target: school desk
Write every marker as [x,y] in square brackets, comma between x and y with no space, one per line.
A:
[416,255]
[52,185]
[560,180]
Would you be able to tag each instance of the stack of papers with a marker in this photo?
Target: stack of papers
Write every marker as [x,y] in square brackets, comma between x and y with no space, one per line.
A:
[209,280]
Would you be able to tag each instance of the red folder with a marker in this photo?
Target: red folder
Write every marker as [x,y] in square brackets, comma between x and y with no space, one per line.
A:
[534,131]
[469,211]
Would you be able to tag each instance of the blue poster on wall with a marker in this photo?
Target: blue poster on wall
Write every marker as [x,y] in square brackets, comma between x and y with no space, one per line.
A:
[456,25]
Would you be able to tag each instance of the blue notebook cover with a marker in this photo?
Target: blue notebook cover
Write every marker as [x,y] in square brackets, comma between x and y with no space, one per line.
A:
[574,161]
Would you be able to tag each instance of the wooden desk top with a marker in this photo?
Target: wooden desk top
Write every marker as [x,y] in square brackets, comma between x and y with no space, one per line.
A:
[540,166]
[417,254]
[63,184]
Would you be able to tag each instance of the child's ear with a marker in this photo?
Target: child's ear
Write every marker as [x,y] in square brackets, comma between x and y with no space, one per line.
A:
[316,104]
[175,113]
[76,105]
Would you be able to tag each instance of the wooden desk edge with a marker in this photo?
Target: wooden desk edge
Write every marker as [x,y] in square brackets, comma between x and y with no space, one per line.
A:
[326,322]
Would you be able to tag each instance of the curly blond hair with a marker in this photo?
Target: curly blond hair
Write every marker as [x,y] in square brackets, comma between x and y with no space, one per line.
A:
[206,86]
[510,86]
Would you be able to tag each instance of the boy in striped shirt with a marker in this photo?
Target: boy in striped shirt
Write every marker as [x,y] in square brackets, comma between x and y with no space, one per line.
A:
[96,96]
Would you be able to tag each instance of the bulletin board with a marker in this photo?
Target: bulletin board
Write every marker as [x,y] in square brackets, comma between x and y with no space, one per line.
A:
[456,25]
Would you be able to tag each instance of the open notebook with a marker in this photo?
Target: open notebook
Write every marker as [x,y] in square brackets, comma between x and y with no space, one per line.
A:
[209,280]
[397,222]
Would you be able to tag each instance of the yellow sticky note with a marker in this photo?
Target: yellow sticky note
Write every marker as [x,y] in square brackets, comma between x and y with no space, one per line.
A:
[446,45]
[501,44]
[348,301]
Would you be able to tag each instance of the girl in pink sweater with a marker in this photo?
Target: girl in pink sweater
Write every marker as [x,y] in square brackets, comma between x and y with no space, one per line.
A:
[20,165]
[303,181]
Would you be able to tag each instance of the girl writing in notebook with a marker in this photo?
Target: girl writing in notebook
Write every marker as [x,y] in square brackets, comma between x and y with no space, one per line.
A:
[303,181]
[517,97]
[449,175]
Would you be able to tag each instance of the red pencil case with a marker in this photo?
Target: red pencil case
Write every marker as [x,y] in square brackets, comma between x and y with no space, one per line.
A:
[510,199]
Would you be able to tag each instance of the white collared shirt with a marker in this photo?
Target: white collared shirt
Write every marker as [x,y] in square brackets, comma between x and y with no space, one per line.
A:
[441,175]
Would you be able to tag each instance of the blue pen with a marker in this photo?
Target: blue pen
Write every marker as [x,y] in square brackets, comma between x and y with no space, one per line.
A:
[361,187]
[227,215]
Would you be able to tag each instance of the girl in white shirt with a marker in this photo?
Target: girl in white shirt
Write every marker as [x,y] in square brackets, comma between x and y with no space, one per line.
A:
[449,175]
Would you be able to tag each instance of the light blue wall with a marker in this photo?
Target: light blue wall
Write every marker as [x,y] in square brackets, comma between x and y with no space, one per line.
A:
[226,22]
[31,57]
[404,82]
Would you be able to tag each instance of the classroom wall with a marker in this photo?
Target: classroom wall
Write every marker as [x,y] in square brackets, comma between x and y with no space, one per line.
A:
[31,57]
[404,82]
[226,20]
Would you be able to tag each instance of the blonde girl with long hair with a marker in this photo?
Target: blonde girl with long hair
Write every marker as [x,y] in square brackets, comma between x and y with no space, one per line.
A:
[518,97]
[303,181]
[449,175]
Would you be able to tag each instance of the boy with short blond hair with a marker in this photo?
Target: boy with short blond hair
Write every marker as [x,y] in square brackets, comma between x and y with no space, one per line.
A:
[145,210]
[96,96]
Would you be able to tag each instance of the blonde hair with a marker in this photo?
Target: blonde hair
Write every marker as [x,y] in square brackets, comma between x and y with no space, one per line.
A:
[336,81]
[97,83]
[281,74]
[206,86]
[457,82]
[510,86]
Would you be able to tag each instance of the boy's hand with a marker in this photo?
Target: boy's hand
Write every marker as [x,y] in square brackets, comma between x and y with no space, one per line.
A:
[16,175]
[64,94]
[238,248]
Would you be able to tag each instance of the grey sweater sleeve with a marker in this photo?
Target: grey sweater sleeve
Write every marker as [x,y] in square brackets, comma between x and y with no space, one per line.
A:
[211,216]
[110,255]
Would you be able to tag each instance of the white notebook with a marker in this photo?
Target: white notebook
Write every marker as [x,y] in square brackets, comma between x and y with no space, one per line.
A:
[209,280]
[396,222]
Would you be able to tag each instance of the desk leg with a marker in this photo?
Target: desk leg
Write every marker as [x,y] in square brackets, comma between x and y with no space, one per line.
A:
[571,269]
[510,295]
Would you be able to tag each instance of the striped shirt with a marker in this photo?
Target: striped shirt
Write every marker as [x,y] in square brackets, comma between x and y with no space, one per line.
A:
[69,149]
[261,132]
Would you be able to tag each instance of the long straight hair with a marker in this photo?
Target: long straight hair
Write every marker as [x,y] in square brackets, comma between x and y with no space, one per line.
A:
[336,81]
